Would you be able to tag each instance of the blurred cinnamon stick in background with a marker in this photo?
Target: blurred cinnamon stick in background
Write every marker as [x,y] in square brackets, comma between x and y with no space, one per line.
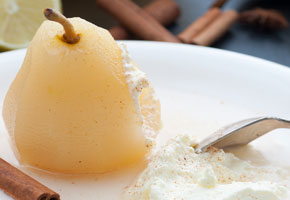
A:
[218,3]
[164,11]
[216,29]
[200,24]
[136,20]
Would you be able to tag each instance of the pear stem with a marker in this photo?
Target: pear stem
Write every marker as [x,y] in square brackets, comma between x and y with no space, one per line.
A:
[70,35]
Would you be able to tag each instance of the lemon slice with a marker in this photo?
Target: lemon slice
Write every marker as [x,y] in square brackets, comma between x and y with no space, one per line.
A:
[19,20]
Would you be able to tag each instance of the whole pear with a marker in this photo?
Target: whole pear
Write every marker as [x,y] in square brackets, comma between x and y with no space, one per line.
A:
[70,109]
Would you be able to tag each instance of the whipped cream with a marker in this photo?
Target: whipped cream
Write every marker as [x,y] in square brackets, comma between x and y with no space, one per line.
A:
[135,78]
[137,81]
[177,172]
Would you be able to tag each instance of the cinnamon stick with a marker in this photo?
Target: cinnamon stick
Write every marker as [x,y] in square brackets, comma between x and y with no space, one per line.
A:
[164,11]
[216,29]
[21,186]
[200,24]
[136,20]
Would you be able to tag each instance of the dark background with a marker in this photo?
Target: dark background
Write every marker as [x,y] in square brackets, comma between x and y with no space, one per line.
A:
[274,46]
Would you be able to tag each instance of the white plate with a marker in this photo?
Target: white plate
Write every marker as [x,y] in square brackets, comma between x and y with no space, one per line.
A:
[200,89]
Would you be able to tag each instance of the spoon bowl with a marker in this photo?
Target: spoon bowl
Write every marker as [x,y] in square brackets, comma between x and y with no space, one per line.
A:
[242,132]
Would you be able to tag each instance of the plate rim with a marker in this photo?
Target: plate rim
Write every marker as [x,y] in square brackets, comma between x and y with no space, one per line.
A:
[204,48]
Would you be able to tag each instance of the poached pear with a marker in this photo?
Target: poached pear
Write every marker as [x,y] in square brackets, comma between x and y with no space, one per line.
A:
[70,108]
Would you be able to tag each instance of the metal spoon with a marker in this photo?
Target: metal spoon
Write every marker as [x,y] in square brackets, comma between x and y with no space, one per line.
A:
[242,132]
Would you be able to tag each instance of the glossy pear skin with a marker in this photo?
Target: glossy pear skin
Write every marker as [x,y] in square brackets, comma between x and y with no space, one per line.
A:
[69,109]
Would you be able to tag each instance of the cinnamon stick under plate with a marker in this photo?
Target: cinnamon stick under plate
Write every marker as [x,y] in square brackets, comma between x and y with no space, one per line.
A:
[21,186]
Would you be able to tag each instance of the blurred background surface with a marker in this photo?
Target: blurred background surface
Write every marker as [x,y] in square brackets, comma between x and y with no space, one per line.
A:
[274,46]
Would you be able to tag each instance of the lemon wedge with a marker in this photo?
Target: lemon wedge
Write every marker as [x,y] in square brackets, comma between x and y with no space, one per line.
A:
[19,20]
